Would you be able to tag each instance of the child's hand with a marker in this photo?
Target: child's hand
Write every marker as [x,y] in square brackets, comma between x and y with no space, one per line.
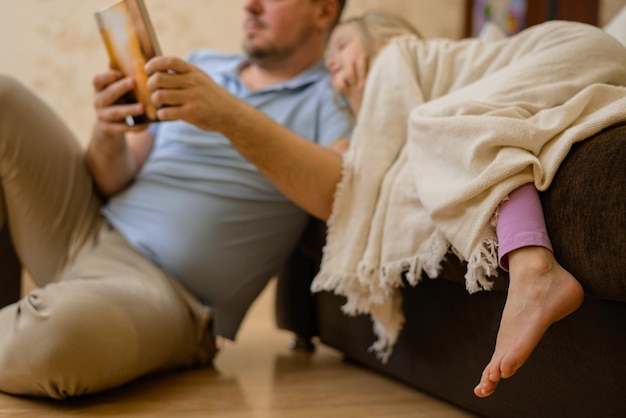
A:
[350,82]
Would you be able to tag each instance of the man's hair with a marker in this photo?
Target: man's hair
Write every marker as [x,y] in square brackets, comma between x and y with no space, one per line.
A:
[342,6]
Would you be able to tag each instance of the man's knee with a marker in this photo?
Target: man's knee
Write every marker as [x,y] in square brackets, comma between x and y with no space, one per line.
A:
[15,100]
[9,87]
[60,346]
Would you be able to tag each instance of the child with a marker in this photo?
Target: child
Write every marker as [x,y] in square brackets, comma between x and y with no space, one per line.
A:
[541,292]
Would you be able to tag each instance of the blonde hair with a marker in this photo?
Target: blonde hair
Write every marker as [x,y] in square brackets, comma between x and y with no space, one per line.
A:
[377,28]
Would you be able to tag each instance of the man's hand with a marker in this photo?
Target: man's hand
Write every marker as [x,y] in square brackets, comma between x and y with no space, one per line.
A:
[110,87]
[181,91]
[116,151]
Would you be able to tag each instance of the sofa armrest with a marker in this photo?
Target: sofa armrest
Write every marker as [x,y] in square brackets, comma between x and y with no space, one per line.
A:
[585,211]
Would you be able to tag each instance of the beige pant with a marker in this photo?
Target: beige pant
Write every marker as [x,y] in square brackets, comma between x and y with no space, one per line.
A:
[103,314]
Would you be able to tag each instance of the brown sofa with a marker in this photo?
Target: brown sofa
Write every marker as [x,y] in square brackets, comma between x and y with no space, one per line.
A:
[579,367]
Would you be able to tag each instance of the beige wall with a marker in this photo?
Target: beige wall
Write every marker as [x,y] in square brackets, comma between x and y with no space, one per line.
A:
[54,47]
[608,9]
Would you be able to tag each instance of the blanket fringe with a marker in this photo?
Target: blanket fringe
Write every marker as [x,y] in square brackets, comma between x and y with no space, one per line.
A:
[373,284]
[482,265]
[382,348]
[374,290]
[380,297]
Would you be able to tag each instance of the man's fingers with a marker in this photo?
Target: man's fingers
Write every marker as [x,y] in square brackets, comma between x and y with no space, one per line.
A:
[119,119]
[167,64]
[116,128]
[102,80]
[164,80]
[119,113]
[113,92]
[165,98]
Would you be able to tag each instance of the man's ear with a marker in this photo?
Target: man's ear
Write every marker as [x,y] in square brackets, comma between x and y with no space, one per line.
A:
[327,13]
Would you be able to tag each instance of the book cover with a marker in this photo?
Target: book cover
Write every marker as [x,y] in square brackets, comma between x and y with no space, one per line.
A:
[130,42]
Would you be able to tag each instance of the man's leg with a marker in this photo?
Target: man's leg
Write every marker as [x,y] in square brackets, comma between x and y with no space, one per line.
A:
[107,315]
[47,196]
[114,316]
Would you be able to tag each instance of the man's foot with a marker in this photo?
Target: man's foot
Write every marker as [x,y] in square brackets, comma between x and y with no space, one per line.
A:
[541,292]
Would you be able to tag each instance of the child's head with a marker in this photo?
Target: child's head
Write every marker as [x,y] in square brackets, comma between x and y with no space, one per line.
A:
[376,29]
[354,44]
[367,34]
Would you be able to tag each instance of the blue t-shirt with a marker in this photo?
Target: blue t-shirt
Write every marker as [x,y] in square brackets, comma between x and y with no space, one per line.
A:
[208,216]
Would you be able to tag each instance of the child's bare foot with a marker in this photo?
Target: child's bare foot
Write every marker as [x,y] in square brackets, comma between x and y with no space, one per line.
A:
[541,292]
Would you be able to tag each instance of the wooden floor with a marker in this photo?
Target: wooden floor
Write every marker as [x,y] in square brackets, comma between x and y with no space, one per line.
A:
[256,377]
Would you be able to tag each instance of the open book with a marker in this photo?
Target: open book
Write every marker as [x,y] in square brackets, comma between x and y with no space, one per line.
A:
[130,42]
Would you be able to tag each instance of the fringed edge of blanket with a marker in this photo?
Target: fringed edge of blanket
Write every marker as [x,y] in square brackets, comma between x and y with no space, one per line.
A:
[481,266]
[375,289]
[385,340]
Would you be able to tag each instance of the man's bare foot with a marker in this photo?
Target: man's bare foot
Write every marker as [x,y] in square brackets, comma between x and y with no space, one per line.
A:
[541,292]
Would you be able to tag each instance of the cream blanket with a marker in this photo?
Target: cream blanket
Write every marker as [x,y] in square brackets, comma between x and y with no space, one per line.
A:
[447,130]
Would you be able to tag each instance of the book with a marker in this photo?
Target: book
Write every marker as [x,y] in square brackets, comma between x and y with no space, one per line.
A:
[130,42]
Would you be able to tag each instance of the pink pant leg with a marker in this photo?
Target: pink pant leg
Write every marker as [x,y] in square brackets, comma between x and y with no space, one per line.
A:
[521,223]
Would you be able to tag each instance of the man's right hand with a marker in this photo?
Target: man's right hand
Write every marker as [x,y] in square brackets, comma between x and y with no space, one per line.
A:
[117,150]
[110,87]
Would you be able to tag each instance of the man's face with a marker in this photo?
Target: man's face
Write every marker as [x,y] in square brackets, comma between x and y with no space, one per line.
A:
[274,28]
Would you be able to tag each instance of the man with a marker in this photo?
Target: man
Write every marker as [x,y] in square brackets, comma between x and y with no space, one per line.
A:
[190,232]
